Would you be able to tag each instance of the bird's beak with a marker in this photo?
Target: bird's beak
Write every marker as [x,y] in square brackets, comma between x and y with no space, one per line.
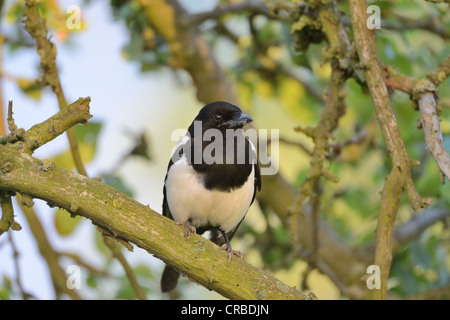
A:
[240,121]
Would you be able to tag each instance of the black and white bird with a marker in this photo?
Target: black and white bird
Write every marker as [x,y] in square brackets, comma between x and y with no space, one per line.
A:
[211,179]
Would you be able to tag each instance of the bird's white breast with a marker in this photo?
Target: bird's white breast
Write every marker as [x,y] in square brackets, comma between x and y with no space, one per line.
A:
[189,199]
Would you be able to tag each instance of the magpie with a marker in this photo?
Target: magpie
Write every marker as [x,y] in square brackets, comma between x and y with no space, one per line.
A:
[211,179]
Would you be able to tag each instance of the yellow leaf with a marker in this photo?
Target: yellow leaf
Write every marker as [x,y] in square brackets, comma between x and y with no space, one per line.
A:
[244,41]
[244,94]
[64,159]
[352,153]
[264,89]
[445,126]
[292,95]
[322,70]
[274,52]
[30,88]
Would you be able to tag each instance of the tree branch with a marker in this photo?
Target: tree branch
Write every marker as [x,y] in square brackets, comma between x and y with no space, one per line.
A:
[424,95]
[413,228]
[37,28]
[40,134]
[128,220]
[400,176]
[189,50]
[200,259]
[441,73]
[25,295]
[49,254]
[7,221]
[254,6]
[321,135]
[2,112]
[398,81]
[117,253]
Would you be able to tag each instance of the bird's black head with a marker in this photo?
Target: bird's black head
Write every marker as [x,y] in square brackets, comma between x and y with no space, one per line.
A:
[222,115]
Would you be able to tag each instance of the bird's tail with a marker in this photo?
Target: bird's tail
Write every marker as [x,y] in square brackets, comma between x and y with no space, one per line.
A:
[169,279]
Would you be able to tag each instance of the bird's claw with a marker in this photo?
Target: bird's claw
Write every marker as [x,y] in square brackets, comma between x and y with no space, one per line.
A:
[231,252]
[188,228]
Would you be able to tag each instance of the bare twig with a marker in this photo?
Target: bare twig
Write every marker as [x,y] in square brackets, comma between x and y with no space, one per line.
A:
[397,81]
[117,253]
[49,254]
[25,295]
[321,135]
[40,134]
[358,138]
[334,107]
[189,50]
[433,294]
[297,144]
[7,221]
[441,73]
[413,228]
[254,6]
[2,112]
[37,28]
[405,23]
[11,124]
[79,261]
[408,231]
[424,94]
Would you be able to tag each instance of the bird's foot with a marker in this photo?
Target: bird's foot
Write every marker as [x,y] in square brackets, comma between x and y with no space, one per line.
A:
[227,246]
[188,228]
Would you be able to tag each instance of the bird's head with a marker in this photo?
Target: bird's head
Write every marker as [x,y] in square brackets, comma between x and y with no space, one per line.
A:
[222,115]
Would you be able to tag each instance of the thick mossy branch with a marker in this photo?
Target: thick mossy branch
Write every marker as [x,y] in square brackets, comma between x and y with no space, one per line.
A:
[124,218]
[200,259]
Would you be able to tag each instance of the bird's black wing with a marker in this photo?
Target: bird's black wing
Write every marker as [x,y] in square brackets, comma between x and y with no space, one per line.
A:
[257,180]
[165,206]
[169,278]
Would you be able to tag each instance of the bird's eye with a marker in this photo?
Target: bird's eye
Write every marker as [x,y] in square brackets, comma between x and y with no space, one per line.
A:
[218,118]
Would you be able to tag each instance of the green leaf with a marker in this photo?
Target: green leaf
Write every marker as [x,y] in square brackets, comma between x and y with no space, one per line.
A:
[64,223]
[144,271]
[89,133]
[87,137]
